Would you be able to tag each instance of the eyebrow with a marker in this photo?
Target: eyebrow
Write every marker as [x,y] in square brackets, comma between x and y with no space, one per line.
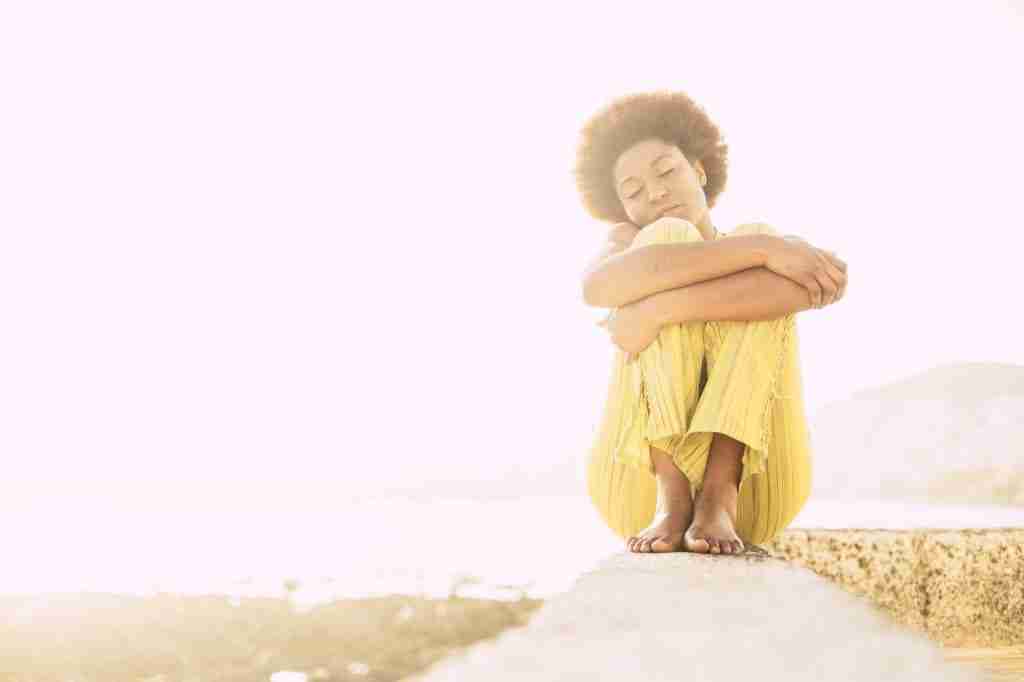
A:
[657,158]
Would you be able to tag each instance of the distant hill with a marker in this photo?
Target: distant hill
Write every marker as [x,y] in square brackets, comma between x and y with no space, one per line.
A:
[952,434]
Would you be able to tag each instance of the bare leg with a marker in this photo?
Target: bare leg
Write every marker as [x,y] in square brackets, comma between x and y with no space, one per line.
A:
[714,520]
[674,510]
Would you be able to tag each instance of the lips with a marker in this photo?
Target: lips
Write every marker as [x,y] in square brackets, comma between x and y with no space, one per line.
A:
[670,208]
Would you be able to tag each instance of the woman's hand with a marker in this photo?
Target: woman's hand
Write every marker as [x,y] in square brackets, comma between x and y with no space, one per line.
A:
[821,272]
[632,327]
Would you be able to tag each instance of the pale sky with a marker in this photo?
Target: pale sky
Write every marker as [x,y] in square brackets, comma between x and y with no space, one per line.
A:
[252,247]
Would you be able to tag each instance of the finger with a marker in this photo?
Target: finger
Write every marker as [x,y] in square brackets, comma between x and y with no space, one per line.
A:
[829,288]
[813,290]
[837,270]
[832,262]
[834,265]
[833,258]
[839,277]
[831,279]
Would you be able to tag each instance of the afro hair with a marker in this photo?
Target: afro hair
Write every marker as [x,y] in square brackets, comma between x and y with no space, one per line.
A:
[669,116]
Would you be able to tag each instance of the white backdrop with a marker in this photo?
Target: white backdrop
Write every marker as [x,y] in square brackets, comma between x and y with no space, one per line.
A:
[256,252]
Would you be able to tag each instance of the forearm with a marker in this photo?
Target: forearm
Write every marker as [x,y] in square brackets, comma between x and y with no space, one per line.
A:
[646,270]
[754,294]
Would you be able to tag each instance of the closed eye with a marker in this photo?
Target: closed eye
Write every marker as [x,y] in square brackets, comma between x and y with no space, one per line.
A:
[670,170]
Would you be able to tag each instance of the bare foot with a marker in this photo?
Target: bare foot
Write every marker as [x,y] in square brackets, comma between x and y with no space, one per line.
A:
[714,522]
[665,534]
[674,510]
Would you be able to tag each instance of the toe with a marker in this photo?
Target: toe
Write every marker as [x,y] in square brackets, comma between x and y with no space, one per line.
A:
[647,544]
[661,545]
[715,548]
[698,545]
[739,546]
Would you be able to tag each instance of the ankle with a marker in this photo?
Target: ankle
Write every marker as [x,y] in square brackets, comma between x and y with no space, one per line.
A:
[674,483]
[720,489]
[674,500]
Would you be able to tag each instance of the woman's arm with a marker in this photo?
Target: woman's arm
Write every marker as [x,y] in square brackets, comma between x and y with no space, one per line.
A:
[754,294]
[619,238]
[636,273]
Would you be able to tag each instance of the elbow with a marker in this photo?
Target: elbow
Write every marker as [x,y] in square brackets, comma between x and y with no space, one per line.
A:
[594,294]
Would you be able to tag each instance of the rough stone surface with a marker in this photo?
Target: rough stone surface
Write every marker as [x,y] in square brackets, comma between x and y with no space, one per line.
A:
[960,587]
[682,616]
[876,564]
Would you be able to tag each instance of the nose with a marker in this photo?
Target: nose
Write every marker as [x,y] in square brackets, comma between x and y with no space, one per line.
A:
[656,192]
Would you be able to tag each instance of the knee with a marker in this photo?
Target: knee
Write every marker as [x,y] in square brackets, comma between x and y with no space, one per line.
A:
[667,230]
[773,329]
[747,228]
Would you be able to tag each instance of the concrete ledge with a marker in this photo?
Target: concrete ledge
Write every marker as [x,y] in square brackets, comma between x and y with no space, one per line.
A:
[681,616]
[959,587]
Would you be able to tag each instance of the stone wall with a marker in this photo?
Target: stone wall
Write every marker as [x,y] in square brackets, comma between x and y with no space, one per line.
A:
[959,587]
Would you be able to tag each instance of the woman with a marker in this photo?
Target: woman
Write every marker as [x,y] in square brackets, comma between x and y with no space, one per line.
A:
[703,444]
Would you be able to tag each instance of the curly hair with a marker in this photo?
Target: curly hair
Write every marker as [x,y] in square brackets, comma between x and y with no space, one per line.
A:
[669,116]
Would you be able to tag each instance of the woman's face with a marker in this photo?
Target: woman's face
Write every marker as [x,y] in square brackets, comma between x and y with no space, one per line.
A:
[652,176]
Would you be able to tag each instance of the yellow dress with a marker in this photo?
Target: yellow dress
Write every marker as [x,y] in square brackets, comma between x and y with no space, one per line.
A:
[740,378]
